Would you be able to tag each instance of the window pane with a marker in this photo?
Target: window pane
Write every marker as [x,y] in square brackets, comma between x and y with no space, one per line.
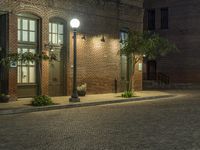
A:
[25,24]
[32,36]
[19,75]
[55,29]
[32,51]
[60,39]
[50,38]
[123,67]
[24,50]
[50,27]
[32,25]
[19,24]
[24,74]
[60,29]
[19,51]
[32,73]
[55,38]
[19,35]
[25,36]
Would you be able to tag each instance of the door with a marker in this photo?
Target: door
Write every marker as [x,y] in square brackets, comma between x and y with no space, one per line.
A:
[151,70]
[3,47]
[56,74]
[56,68]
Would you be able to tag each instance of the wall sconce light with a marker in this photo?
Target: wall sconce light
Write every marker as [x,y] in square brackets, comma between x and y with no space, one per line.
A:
[83,37]
[103,39]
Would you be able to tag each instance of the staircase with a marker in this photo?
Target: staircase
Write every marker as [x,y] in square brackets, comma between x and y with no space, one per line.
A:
[162,81]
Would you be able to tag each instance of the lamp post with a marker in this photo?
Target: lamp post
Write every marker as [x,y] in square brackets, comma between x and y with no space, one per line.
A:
[75,23]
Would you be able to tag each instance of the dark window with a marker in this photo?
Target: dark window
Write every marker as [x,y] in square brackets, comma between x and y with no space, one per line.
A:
[164,18]
[151,19]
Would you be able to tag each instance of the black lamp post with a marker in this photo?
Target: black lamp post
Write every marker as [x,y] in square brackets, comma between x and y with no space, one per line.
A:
[75,23]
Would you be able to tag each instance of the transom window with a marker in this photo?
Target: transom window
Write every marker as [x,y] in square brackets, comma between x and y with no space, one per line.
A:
[27,42]
[56,33]
[27,30]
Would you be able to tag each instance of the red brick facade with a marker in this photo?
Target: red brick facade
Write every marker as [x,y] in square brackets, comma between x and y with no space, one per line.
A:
[98,62]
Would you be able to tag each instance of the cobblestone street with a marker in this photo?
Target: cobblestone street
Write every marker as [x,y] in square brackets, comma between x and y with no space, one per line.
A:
[164,124]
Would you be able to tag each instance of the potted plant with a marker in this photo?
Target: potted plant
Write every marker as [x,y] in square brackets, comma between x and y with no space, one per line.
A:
[4,98]
[82,89]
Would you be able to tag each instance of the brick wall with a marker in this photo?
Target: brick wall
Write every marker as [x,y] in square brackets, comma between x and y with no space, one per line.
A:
[182,67]
[98,62]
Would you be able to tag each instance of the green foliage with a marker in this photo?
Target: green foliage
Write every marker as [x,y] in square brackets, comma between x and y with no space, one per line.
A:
[27,57]
[147,43]
[42,100]
[82,87]
[128,94]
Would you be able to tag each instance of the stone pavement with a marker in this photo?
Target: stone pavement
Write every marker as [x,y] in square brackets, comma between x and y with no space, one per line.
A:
[23,105]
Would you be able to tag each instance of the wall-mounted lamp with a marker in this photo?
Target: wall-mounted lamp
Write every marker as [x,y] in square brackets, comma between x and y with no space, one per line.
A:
[83,37]
[103,39]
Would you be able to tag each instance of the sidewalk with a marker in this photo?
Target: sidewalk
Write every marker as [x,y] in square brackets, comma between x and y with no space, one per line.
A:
[23,105]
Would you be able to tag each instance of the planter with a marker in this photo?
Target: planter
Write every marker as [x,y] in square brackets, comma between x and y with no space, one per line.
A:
[4,98]
[81,93]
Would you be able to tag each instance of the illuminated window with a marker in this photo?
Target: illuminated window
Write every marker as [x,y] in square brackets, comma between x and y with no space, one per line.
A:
[56,33]
[27,42]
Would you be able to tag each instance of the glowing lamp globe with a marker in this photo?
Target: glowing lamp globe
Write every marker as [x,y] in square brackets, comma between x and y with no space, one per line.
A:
[75,23]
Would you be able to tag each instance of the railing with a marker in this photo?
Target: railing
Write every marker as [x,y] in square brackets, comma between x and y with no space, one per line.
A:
[159,77]
[162,78]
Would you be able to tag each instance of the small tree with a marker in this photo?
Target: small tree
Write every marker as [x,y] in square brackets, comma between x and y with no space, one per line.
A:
[147,44]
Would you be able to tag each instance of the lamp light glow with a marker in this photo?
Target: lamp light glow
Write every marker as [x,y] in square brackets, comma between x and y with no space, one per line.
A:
[75,23]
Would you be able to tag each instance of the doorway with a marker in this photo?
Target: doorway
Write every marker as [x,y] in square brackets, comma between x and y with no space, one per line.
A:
[151,70]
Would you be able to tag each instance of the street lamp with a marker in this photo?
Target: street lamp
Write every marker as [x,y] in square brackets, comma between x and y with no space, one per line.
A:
[75,23]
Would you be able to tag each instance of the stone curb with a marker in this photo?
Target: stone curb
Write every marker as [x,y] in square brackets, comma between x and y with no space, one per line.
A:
[74,105]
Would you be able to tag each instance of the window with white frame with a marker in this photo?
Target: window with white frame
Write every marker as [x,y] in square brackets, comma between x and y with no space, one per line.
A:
[27,42]
[56,33]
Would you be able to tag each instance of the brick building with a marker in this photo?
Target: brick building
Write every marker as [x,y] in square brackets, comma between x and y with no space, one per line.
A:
[177,20]
[30,25]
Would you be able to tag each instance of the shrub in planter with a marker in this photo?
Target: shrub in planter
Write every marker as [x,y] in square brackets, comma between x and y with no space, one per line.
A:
[82,89]
[42,100]
[128,94]
[4,98]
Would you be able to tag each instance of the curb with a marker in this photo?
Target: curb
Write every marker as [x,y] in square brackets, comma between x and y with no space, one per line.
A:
[74,105]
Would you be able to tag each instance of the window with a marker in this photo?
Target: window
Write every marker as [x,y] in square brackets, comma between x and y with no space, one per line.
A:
[56,33]
[27,42]
[151,19]
[164,18]
[123,37]
[26,30]
[26,71]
